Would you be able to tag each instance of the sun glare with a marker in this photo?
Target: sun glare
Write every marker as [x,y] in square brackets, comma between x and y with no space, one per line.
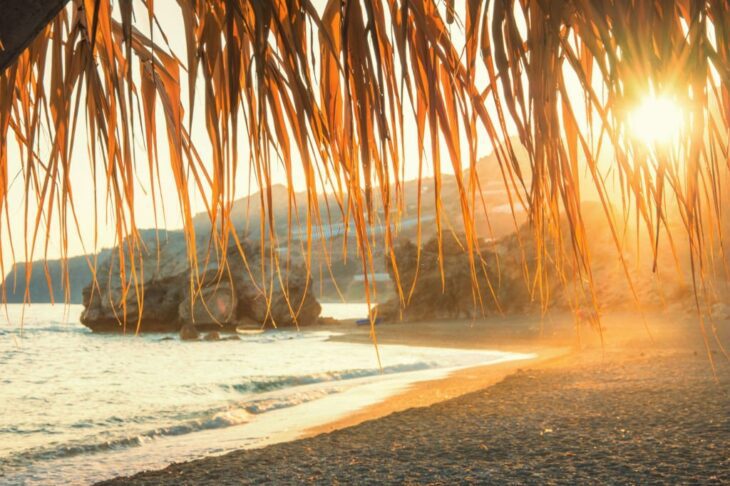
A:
[657,120]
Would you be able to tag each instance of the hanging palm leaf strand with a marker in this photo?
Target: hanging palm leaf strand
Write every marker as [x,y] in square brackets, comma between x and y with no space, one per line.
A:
[335,87]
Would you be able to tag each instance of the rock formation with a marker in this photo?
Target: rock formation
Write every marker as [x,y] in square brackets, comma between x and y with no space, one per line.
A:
[212,336]
[217,297]
[500,274]
[428,297]
[189,333]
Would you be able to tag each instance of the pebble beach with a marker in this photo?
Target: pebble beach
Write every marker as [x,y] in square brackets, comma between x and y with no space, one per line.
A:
[636,409]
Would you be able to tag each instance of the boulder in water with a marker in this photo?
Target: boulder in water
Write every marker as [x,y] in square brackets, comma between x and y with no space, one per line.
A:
[212,336]
[434,298]
[291,301]
[189,333]
[221,296]
[114,303]
[215,305]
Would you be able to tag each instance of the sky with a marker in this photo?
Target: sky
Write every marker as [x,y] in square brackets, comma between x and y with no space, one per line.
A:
[87,211]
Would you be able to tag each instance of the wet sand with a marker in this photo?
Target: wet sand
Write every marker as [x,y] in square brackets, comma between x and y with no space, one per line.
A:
[631,410]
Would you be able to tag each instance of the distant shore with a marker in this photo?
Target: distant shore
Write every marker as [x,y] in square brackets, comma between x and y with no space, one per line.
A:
[634,409]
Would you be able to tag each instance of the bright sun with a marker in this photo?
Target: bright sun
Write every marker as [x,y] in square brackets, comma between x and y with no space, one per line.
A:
[657,120]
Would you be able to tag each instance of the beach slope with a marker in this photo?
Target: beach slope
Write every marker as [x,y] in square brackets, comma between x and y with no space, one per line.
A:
[634,410]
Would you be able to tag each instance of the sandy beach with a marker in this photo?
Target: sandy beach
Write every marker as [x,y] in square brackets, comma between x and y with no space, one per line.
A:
[635,409]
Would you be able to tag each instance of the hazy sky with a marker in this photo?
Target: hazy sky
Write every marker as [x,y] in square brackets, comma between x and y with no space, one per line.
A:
[169,16]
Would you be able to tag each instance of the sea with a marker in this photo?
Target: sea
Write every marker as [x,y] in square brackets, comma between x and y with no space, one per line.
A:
[78,407]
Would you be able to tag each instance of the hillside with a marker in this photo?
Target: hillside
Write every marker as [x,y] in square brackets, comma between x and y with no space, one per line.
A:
[344,266]
[79,275]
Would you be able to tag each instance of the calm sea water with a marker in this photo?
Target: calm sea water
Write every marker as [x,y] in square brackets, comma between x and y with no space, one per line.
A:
[76,407]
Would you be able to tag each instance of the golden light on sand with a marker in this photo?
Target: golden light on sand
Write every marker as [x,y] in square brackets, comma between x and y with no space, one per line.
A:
[657,120]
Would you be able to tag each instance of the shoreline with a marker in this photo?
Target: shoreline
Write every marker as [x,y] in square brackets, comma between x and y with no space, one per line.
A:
[470,336]
[441,413]
[558,346]
[316,404]
[457,382]
[426,393]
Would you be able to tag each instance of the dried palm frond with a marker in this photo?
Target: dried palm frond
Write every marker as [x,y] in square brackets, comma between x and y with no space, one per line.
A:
[333,85]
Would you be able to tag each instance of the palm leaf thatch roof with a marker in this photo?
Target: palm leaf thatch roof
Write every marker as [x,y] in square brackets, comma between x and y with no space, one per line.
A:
[332,85]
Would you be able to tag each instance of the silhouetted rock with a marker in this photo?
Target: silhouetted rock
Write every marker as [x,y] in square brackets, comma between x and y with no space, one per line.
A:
[212,336]
[214,305]
[189,333]
[245,322]
[292,304]
[437,295]
[512,279]
[221,296]
[114,304]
